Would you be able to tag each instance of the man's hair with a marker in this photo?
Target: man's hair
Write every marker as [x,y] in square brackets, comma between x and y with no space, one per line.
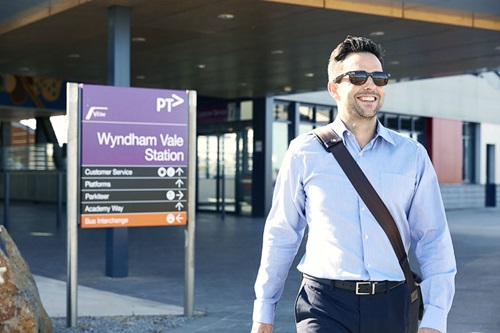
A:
[353,45]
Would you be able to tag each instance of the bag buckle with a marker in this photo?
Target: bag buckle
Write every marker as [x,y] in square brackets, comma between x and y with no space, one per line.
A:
[365,283]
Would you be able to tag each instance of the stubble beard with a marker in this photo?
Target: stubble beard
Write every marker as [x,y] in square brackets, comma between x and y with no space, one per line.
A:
[358,112]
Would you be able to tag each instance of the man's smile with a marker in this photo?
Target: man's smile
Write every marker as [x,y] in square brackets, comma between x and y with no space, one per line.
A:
[367,98]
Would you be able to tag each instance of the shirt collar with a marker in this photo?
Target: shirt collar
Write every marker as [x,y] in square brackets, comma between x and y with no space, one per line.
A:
[384,133]
[339,127]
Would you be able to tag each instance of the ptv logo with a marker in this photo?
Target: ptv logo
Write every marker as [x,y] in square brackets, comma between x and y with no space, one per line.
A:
[168,102]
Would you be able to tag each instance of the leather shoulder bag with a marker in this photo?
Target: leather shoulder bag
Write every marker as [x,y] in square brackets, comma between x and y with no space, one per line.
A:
[334,144]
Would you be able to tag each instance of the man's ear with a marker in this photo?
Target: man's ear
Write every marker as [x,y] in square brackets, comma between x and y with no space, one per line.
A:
[332,89]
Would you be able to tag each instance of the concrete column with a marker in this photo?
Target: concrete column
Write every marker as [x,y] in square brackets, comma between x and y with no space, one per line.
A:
[118,75]
[262,187]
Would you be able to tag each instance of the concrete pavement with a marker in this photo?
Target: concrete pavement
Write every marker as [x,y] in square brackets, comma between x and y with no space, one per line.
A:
[227,258]
[93,302]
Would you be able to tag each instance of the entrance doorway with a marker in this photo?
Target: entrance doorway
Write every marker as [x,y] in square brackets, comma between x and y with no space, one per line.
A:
[224,172]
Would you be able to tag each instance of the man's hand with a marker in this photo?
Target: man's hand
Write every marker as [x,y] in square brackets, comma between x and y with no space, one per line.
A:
[262,328]
[427,330]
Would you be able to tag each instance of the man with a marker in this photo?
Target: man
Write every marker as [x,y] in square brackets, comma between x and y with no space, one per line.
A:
[345,243]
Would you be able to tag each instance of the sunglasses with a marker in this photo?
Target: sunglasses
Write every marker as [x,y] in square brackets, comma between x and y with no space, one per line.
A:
[360,77]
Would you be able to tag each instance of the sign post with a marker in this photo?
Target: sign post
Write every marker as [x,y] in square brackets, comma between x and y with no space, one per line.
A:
[190,228]
[136,160]
[73,157]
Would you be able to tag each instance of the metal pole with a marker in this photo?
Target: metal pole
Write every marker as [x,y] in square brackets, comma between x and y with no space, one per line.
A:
[223,177]
[59,199]
[190,227]
[73,111]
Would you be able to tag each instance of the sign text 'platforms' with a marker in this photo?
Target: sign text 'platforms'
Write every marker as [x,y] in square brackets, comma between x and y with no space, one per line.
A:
[134,157]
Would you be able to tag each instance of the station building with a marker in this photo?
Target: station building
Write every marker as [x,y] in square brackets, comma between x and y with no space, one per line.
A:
[262,83]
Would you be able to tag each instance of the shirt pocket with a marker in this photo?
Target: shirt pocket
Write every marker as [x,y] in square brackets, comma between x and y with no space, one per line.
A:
[397,190]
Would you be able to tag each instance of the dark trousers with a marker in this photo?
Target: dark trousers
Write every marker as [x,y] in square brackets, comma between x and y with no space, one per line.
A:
[325,309]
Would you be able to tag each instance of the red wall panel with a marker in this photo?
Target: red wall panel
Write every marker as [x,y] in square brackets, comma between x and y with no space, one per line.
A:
[446,149]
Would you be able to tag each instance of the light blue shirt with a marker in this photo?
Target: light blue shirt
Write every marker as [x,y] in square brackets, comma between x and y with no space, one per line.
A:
[345,242]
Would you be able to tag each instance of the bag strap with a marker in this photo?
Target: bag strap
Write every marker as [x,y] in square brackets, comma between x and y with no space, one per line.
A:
[334,144]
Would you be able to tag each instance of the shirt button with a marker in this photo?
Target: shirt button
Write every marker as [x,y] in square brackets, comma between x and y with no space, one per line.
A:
[362,209]
[368,265]
[366,237]
[360,154]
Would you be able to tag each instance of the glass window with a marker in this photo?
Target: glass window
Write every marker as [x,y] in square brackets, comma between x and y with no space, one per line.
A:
[323,116]
[406,123]
[281,111]
[312,116]
[469,152]
[309,116]
[306,113]
[391,121]
[207,156]
[280,145]
[419,124]
[410,126]
[280,135]
[246,110]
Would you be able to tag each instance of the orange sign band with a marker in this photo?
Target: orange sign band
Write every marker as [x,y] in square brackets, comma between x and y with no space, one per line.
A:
[133,220]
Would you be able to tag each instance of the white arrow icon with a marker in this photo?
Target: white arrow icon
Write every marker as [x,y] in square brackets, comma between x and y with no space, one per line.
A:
[179,218]
[179,171]
[168,102]
[179,100]
[179,183]
[180,195]
[179,206]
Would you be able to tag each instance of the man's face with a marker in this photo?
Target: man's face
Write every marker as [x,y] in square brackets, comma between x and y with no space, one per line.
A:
[363,101]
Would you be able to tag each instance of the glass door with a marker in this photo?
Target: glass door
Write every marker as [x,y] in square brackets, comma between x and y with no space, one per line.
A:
[224,173]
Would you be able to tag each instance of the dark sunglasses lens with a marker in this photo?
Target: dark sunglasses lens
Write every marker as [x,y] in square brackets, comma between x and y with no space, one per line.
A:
[380,78]
[358,77]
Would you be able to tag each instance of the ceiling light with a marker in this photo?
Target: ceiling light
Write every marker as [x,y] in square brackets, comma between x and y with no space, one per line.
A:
[394,62]
[277,52]
[24,69]
[225,16]
[377,33]
[140,77]
[287,88]
[201,66]
[41,234]
[309,75]
[74,56]
[138,39]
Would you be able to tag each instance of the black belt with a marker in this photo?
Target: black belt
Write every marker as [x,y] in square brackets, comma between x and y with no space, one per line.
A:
[359,287]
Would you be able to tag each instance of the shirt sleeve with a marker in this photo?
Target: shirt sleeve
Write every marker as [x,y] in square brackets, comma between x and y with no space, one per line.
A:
[433,245]
[283,234]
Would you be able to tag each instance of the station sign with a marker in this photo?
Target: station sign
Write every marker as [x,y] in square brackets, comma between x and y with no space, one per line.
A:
[134,157]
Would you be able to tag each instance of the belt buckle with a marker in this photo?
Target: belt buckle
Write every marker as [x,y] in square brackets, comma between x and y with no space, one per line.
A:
[365,283]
